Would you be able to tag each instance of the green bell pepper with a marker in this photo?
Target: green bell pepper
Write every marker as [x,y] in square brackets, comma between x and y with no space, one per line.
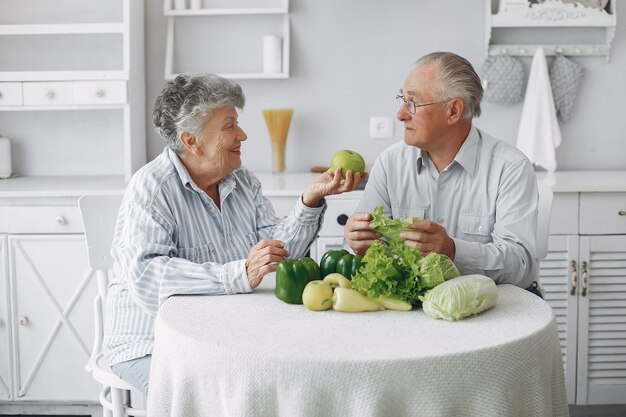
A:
[349,264]
[292,275]
[328,263]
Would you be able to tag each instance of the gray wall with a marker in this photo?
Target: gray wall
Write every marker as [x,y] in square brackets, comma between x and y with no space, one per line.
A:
[348,59]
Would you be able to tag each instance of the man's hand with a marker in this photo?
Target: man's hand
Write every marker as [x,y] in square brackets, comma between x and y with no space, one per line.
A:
[428,236]
[358,232]
[262,260]
[330,183]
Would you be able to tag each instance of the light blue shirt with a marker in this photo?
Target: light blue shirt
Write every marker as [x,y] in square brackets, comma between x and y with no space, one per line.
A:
[486,199]
[171,239]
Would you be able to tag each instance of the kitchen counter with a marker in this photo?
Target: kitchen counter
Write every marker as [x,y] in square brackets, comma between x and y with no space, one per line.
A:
[287,184]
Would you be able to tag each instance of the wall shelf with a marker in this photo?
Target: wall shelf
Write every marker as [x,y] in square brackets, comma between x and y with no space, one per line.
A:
[551,14]
[173,14]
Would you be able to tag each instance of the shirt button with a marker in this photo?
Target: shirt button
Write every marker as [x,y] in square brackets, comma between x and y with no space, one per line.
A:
[442,187]
[439,220]
[480,228]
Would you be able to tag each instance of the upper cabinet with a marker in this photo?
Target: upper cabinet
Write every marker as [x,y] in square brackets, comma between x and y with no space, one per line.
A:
[238,39]
[72,86]
[569,27]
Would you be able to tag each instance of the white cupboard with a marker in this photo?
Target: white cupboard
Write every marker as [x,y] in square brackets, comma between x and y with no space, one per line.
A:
[584,277]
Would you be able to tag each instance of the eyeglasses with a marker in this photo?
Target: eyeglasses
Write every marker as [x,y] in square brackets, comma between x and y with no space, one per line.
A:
[412,107]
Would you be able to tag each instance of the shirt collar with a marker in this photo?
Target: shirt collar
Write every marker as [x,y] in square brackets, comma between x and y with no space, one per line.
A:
[468,154]
[466,157]
[226,184]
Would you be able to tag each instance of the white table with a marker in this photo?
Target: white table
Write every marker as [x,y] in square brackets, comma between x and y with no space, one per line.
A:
[253,355]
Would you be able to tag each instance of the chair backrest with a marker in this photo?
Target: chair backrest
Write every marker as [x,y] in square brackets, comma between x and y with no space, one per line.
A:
[543,220]
[99,213]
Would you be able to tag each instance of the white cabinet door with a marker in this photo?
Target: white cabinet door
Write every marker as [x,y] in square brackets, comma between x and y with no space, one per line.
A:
[54,291]
[559,275]
[602,321]
[5,334]
[323,244]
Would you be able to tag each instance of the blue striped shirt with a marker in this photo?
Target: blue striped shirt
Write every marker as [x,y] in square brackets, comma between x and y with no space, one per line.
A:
[486,199]
[171,239]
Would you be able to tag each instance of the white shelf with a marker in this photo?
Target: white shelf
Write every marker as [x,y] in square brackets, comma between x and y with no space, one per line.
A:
[58,29]
[225,11]
[551,14]
[62,75]
[173,14]
[64,107]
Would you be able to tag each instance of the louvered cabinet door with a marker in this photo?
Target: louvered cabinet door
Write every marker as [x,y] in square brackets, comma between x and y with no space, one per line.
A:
[558,275]
[602,320]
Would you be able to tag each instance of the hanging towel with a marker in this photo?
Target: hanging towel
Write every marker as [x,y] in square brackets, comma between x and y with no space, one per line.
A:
[565,77]
[539,134]
[503,79]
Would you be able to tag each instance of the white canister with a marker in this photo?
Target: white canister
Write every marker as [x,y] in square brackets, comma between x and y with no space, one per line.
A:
[180,4]
[272,53]
[5,158]
[195,4]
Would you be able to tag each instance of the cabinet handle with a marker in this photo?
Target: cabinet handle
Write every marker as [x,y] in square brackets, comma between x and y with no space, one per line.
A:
[621,213]
[23,321]
[50,94]
[0,94]
[585,278]
[60,220]
[342,219]
[574,277]
[99,92]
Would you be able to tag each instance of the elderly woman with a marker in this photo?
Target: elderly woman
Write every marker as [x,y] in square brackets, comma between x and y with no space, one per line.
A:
[194,221]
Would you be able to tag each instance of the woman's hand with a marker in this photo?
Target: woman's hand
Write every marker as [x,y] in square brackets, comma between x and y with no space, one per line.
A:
[330,183]
[262,260]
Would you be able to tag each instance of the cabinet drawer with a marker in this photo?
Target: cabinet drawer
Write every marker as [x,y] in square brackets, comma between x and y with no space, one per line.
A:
[56,219]
[99,92]
[336,215]
[48,93]
[564,216]
[600,213]
[10,94]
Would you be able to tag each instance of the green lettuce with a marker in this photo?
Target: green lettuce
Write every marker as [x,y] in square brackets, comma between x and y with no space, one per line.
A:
[460,297]
[386,274]
[390,228]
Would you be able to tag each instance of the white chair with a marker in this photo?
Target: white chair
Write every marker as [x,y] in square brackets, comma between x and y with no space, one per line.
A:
[99,213]
[544,209]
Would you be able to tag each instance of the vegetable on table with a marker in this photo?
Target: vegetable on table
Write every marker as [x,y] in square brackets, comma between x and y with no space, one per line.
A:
[351,301]
[292,276]
[349,264]
[337,280]
[328,263]
[460,297]
[317,295]
[392,303]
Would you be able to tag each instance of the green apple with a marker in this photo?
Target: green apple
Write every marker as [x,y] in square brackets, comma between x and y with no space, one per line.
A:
[347,160]
[317,295]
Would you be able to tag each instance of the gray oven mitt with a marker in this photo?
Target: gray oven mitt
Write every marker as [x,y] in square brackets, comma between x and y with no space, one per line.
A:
[565,77]
[503,79]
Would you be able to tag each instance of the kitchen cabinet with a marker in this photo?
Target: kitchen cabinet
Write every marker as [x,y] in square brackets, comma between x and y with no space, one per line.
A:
[584,278]
[237,54]
[46,296]
[507,28]
[75,79]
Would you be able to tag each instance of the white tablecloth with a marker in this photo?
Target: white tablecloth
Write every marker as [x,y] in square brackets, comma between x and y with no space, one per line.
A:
[253,355]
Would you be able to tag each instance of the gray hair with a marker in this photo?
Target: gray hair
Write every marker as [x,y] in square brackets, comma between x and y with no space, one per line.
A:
[456,79]
[186,101]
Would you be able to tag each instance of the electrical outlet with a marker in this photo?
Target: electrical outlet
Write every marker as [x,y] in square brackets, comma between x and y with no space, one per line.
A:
[381,127]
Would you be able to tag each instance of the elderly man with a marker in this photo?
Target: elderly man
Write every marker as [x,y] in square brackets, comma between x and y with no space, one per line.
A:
[193,221]
[477,195]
